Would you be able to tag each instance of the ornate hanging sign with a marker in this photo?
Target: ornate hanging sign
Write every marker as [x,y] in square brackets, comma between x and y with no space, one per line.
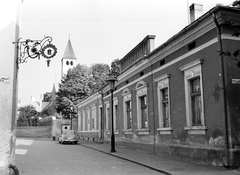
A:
[34,48]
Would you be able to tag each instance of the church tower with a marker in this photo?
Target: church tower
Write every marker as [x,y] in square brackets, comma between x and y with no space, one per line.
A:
[69,59]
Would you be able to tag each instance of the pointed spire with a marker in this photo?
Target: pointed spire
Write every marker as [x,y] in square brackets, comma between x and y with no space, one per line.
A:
[69,53]
[53,94]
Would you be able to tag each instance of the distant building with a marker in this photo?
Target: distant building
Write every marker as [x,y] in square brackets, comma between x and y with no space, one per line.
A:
[49,98]
[180,99]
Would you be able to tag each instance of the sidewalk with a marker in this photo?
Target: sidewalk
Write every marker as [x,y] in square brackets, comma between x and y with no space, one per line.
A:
[162,164]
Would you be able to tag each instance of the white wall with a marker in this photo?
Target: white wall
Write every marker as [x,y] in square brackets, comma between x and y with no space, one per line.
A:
[9,30]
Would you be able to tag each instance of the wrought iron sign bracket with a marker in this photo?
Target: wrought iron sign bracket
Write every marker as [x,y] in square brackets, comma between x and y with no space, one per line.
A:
[34,49]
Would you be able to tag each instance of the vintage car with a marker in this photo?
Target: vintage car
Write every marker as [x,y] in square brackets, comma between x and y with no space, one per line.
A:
[68,136]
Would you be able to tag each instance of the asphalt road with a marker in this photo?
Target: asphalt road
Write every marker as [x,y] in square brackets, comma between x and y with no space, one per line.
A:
[51,158]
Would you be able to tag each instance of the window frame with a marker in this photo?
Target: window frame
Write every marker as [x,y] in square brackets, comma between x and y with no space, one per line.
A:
[115,113]
[84,120]
[141,90]
[94,117]
[162,84]
[107,104]
[191,71]
[88,118]
[127,97]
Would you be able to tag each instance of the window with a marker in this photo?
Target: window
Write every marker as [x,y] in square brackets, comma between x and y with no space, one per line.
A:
[164,126]
[84,120]
[79,120]
[142,109]
[100,117]
[127,112]
[115,112]
[165,108]
[107,116]
[94,121]
[194,97]
[196,102]
[88,119]
[143,113]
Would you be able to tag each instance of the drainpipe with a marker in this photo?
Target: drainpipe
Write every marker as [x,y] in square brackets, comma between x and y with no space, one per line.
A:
[102,117]
[154,122]
[154,132]
[223,90]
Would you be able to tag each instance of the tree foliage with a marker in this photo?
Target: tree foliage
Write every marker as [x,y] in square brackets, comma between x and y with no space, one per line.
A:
[28,116]
[47,97]
[99,73]
[236,33]
[115,68]
[79,83]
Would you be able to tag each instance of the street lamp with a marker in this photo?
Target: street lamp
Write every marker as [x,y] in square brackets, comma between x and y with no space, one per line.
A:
[71,108]
[111,81]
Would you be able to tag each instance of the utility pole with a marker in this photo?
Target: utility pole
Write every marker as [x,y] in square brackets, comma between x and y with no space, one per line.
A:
[9,33]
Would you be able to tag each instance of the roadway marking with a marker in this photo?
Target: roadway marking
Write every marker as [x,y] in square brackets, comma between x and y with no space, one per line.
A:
[22,142]
[20,151]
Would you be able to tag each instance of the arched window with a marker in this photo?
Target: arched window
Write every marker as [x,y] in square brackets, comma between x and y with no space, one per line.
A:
[142,108]
[127,109]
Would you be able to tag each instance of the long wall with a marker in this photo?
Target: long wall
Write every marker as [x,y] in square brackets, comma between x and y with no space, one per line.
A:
[173,101]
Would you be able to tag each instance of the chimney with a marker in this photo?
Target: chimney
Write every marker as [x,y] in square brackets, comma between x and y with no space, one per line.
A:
[196,10]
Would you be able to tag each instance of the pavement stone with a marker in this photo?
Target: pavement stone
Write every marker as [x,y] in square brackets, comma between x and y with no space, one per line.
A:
[161,163]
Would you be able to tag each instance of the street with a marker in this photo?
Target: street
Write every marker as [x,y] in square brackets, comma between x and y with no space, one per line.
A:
[45,157]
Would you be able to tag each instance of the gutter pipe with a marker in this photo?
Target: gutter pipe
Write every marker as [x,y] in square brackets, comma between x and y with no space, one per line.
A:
[223,90]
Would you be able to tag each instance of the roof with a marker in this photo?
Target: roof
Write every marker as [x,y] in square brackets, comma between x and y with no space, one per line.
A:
[69,53]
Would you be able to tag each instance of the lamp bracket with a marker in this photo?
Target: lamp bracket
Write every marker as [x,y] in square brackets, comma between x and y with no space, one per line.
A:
[34,48]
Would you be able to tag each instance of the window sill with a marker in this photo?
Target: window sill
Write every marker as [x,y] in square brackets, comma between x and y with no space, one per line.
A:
[200,130]
[115,132]
[143,131]
[128,131]
[165,130]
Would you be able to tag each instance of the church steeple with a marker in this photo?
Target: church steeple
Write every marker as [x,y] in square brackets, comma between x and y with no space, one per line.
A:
[69,53]
[53,95]
[69,59]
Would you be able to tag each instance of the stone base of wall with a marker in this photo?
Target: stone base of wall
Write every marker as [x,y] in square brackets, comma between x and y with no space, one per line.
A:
[201,155]
[91,136]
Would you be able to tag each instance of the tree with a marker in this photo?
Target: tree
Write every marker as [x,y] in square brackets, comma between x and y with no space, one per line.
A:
[80,82]
[47,97]
[115,68]
[99,73]
[28,116]
[73,87]
[236,33]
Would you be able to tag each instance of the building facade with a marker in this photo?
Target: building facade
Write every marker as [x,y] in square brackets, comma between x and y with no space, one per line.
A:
[179,99]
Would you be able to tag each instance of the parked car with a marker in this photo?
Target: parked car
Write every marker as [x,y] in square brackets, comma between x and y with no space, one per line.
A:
[68,136]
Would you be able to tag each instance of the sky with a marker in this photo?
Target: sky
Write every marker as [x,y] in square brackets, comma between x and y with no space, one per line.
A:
[100,31]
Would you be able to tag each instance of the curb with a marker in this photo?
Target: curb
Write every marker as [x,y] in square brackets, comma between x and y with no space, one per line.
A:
[123,158]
